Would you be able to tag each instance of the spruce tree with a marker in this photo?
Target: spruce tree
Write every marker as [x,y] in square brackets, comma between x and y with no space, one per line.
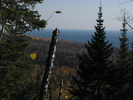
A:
[22,16]
[37,85]
[122,70]
[14,68]
[14,65]
[90,82]
[130,89]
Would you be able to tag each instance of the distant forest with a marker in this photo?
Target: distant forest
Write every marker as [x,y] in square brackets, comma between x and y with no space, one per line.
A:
[65,63]
[66,51]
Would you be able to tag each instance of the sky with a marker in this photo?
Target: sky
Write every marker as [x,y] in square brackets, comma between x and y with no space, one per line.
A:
[82,14]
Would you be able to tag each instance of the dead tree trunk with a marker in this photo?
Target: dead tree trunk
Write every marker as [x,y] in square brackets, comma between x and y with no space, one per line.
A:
[49,65]
[61,85]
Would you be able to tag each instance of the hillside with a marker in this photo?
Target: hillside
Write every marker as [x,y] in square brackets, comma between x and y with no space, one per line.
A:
[66,51]
[65,54]
[65,63]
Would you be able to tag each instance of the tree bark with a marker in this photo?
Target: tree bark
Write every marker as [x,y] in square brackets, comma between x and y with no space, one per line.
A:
[49,65]
[61,85]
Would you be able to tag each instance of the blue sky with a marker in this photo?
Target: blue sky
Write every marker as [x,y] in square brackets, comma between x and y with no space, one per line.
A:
[81,14]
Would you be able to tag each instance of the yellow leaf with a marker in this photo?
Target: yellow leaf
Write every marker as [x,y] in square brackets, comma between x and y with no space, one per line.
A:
[66,97]
[33,56]
[58,12]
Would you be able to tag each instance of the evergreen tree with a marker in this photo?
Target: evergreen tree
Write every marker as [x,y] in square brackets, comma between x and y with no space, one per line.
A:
[123,64]
[130,89]
[37,85]
[14,71]
[14,64]
[22,16]
[90,82]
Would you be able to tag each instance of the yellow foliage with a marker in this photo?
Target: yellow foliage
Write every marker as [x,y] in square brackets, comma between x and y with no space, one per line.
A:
[37,38]
[66,97]
[33,56]
[68,83]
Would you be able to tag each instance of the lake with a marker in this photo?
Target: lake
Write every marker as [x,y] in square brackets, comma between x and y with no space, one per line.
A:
[83,35]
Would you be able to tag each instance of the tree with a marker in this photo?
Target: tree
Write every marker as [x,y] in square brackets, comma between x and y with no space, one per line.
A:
[60,92]
[128,17]
[22,18]
[14,68]
[130,89]
[14,64]
[0,10]
[91,80]
[123,65]
[49,65]
[0,19]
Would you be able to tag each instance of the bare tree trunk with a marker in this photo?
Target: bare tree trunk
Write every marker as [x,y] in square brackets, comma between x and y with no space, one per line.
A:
[49,65]
[61,85]
[48,96]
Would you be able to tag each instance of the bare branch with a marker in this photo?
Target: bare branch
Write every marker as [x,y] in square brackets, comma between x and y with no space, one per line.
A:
[128,17]
[130,26]
[125,2]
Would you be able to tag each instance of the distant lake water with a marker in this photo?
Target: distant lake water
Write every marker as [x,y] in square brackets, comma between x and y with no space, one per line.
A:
[83,35]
